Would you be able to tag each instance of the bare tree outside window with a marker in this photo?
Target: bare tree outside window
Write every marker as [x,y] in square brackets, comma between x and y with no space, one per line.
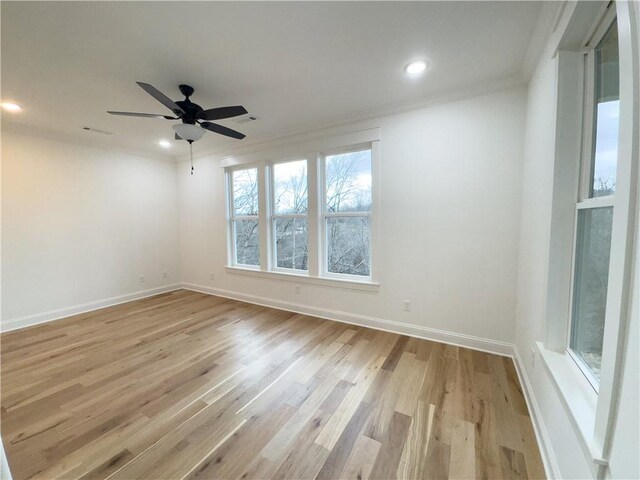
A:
[245,216]
[347,211]
[290,223]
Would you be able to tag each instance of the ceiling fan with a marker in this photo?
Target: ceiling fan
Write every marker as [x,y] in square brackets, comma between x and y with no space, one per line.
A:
[195,119]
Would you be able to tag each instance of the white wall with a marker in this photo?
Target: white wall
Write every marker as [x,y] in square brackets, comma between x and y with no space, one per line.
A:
[573,460]
[449,217]
[80,225]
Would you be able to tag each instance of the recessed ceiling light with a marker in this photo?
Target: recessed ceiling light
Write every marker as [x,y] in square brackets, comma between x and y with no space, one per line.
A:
[165,144]
[11,107]
[415,68]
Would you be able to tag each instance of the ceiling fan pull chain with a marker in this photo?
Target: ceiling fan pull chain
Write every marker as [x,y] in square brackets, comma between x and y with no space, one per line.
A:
[191,153]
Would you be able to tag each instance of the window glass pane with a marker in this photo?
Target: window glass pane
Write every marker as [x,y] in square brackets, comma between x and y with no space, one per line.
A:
[290,187]
[348,182]
[607,109]
[348,245]
[247,242]
[593,246]
[291,243]
[245,191]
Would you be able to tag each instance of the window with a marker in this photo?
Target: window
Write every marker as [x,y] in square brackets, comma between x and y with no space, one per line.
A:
[290,224]
[594,209]
[307,216]
[347,210]
[244,222]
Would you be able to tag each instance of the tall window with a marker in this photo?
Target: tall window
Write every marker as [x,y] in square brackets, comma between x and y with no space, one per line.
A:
[594,209]
[244,217]
[347,212]
[290,224]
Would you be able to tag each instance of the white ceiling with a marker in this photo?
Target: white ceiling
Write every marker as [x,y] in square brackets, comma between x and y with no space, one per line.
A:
[292,64]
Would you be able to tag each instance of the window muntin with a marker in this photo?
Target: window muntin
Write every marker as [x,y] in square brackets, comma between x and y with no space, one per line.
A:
[347,211]
[594,209]
[244,217]
[290,225]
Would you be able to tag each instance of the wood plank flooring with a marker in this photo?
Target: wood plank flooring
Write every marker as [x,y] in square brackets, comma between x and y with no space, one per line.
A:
[191,386]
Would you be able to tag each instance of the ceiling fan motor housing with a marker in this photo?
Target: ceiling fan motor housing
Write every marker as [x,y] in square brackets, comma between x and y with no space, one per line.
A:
[191,110]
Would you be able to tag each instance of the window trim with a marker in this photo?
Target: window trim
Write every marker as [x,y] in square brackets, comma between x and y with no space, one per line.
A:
[585,200]
[316,149]
[596,431]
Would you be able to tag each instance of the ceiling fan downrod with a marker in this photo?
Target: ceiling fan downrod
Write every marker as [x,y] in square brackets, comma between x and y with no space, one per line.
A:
[191,153]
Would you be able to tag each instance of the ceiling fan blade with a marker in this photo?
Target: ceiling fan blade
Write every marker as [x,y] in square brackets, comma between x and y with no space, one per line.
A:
[162,98]
[222,112]
[146,115]
[214,127]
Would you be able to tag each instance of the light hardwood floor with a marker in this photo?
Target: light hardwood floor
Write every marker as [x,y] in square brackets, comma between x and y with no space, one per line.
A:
[186,385]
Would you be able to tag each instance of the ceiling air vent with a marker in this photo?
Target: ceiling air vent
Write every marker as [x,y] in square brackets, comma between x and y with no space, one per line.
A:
[245,119]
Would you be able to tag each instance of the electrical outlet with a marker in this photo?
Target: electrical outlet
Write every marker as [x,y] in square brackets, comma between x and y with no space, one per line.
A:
[164,274]
[141,279]
[212,276]
[532,356]
[406,305]
[297,289]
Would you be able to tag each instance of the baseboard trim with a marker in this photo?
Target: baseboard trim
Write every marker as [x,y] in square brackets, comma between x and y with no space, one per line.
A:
[50,316]
[458,339]
[549,459]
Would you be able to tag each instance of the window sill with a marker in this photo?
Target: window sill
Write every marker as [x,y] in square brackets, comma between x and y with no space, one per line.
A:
[577,394]
[366,286]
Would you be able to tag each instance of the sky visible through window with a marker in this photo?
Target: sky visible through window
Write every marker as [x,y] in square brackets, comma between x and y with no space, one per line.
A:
[290,187]
[606,148]
[348,182]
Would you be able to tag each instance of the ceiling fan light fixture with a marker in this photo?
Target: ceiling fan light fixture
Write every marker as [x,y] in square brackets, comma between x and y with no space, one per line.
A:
[188,132]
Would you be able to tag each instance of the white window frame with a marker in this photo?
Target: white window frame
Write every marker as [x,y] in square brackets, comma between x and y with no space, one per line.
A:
[587,165]
[325,215]
[273,217]
[592,414]
[232,254]
[316,150]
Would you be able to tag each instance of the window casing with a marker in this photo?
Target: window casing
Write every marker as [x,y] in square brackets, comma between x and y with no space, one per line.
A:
[591,402]
[594,208]
[297,227]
